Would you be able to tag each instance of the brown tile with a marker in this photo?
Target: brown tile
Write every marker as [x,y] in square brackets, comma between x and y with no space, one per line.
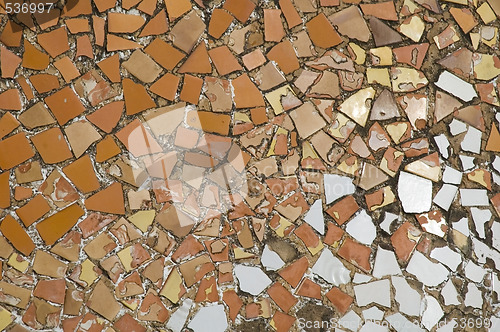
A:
[290,12]
[127,323]
[191,89]
[44,82]
[81,135]
[15,150]
[224,60]
[82,174]
[219,22]
[33,210]
[293,273]
[22,193]
[186,32]
[136,97]
[124,23]
[103,302]
[16,234]
[241,9]
[165,54]
[107,117]
[282,322]
[5,193]
[382,10]
[282,297]
[115,43]
[11,34]
[54,227]
[51,290]
[309,288]
[10,100]
[166,87]
[59,103]
[152,308]
[109,200]
[343,210]
[52,146]
[322,32]
[232,300]
[284,55]
[69,247]
[67,69]
[340,300]
[111,67]
[157,25]
[9,62]
[198,61]
[356,253]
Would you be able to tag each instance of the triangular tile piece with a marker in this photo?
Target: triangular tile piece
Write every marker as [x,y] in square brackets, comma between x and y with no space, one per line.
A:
[127,4]
[8,62]
[384,107]
[147,6]
[445,105]
[472,115]
[198,62]
[156,26]
[371,176]
[137,98]
[111,68]
[246,93]
[382,33]
[107,117]
[115,43]
[109,200]
[432,5]
[412,55]
[459,62]
[493,143]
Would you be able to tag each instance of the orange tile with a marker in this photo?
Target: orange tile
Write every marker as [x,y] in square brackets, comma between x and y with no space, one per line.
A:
[54,42]
[52,146]
[106,148]
[282,297]
[356,254]
[293,273]
[343,209]
[198,62]
[65,105]
[340,300]
[33,210]
[273,28]
[176,8]
[164,54]
[11,34]
[136,97]
[107,117]
[115,43]
[4,190]
[284,55]
[109,200]
[98,24]
[10,100]
[124,23]
[44,82]
[246,94]
[15,150]
[310,289]
[254,59]
[219,22]
[137,139]
[84,47]
[383,10]
[322,32]
[241,9]
[282,322]
[28,92]
[22,193]
[9,62]
[290,13]
[82,174]
[233,301]
[75,8]
[111,67]
[8,123]
[209,122]
[166,86]
[16,234]
[54,227]
[147,6]
[67,69]
[157,25]
[191,89]
[103,5]
[78,25]
[224,60]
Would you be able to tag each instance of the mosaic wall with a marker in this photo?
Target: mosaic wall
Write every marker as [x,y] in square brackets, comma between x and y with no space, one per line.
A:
[245,165]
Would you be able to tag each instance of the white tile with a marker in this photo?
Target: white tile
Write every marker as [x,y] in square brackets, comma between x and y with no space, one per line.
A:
[496,163]
[447,256]
[271,260]
[389,218]
[211,318]
[374,292]
[373,313]
[474,197]
[251,279]
[496,177]
[350,321]
[450,294]
[456,86]
[462,226]
[361,278]
[361,228]
[314,217]
[457,127]
[443,145]
[495,230]
[451,175]
[482,251]
[385,264]
[414,192]
[337,186]
[472,140]
[431,312]
[467,162]
[179,317]
[429,273]
[401,324]
[408,298]
[372,327]
[474,272]
[474,297]
[331,269]
[449,327]
[445,196]
[480,217]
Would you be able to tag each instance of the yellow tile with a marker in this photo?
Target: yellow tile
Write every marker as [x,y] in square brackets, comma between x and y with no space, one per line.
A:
[484,67]
[126,258]
[486,13]
[274,98]
[5,318]
[132,304]
[378,76]
[489,36]
[240,253]
[142,219]
[18,262]
[356,106]
[413,28]
[88,274]
[381,56]
[173,286]
[359,53]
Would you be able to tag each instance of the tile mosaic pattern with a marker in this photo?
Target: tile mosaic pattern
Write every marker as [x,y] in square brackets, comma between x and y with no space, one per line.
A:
[250,165]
